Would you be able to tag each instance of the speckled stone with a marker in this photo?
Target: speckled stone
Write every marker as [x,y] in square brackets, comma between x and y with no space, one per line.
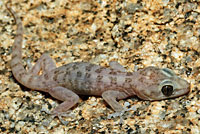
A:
[135,33]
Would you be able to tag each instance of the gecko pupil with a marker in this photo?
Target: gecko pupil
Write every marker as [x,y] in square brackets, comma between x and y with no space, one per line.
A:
[167,90]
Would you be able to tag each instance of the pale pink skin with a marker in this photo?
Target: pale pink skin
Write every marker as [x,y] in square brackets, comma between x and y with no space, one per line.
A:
[112,83]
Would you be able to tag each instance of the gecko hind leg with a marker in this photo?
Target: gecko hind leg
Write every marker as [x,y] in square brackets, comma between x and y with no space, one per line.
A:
[70,99]
[117,66]
[45,63]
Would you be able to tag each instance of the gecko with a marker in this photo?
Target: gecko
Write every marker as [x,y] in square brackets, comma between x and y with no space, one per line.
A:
[112,83]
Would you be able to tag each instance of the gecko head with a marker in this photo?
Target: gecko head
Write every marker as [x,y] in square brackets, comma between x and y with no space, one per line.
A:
[161,84]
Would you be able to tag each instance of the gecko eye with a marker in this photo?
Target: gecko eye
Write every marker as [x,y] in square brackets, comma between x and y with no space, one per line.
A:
[167,90]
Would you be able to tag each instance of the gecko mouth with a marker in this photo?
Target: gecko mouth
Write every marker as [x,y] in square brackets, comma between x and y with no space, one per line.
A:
[185,90]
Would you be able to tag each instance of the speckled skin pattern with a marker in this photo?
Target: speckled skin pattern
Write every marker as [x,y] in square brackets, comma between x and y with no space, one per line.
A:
[112,83]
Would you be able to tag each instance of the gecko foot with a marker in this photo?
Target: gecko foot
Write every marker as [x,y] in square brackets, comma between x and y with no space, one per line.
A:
[63,114]
[117,114]
[59,115]
[121,113]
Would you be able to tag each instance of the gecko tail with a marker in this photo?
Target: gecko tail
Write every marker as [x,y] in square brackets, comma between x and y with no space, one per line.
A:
[18,70]
[16,61]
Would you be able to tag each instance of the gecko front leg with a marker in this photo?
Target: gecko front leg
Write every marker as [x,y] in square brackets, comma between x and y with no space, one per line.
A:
[111,97]
[117,66]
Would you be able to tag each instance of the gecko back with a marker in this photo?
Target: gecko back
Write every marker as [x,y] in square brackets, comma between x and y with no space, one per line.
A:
[150,83]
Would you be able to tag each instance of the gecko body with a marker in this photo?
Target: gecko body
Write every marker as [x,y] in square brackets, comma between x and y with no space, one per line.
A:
[112,83]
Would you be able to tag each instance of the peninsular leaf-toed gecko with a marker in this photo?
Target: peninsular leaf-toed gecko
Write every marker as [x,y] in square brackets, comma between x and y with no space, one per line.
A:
[112,83]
